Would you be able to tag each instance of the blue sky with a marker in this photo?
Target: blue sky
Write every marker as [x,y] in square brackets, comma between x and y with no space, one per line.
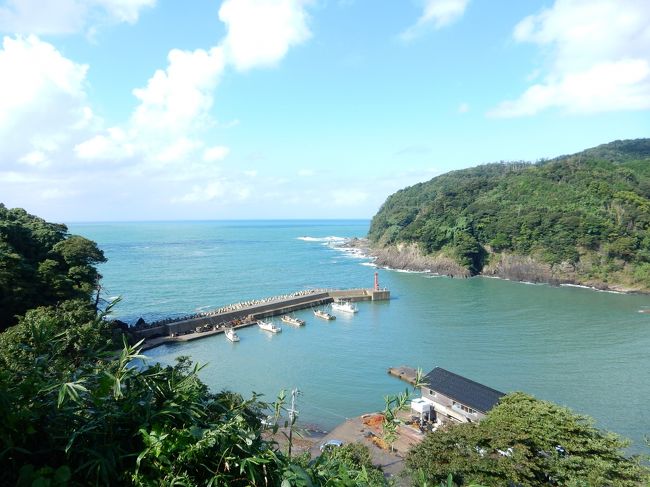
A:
[236,109]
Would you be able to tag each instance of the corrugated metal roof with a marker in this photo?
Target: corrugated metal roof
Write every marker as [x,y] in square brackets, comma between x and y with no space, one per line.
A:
[463,390]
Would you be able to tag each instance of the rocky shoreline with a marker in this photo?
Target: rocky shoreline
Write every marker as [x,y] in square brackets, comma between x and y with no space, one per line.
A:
[406,257]
[505,266]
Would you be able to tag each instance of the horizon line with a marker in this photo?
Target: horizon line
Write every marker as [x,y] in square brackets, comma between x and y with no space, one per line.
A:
[78,222]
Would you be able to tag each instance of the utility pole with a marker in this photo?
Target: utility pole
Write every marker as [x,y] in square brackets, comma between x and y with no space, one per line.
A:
[293,414]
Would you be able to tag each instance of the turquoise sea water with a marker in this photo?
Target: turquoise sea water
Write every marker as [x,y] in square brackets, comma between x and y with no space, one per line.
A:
[585,349]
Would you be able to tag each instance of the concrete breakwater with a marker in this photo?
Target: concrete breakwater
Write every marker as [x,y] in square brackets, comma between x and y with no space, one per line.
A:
[199,326]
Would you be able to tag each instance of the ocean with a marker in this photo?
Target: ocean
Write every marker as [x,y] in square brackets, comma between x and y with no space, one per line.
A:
[581,348]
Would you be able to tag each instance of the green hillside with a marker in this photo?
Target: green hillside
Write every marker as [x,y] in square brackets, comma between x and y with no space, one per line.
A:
[584,217]
[41,264]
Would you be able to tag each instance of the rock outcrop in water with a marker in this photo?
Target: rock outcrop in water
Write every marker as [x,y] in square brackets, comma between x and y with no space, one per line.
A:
[502,265]
[409,257]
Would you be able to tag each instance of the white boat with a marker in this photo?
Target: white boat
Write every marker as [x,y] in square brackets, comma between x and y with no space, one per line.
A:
[292,320]
[231,335]
[345,306]
[269,326]
[319,313]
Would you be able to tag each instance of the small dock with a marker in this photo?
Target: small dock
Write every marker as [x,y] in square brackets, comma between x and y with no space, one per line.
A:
[407,374]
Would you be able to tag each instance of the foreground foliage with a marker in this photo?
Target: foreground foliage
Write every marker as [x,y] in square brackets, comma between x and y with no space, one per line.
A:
[348,465]
[588,213]
[78,411]
[525,441]
[75,412]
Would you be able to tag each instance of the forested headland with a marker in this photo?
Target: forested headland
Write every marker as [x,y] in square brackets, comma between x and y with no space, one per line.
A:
[41,265]
[582,219]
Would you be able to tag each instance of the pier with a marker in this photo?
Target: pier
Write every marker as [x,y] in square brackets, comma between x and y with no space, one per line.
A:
[407,374]
[207,324]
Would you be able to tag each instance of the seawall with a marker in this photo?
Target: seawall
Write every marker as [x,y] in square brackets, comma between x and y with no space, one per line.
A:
[209,324]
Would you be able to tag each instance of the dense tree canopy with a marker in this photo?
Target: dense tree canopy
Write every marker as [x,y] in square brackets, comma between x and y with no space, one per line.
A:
[592,207]
[525,441]
[40,264]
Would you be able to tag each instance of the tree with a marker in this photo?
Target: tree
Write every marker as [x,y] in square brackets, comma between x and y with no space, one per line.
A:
[525,441]
[74,409]
[41,265]
[394,404]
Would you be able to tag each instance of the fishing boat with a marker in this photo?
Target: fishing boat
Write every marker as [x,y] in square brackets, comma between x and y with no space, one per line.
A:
[269,326]
[292,320]
[231,335]
[319,313]
[345,306]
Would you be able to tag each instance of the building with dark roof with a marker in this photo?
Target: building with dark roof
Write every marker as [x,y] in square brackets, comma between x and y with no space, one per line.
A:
[456,398]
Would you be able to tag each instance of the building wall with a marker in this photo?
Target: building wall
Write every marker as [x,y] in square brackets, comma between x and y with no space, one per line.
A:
[447,408]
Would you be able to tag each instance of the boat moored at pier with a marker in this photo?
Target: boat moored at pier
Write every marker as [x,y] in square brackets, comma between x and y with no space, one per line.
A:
[292,320]
[345,306]
[231,335]
[324,315]
[269,326]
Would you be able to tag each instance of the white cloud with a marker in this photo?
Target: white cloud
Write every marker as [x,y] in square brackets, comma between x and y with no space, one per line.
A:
[219,190]
[177,150]
[463,107]
[348,197]
[125,10]
[216,153]
[436,14]
[114,145]
[65,16]
[42,99]
[52,138]
[16,177]
[57,193]
[306,173]
[260,32]
[179,98]
[598,58]
[34,158]
[229,125]
[199,193]
[174,108]
[242,193]
[613,86]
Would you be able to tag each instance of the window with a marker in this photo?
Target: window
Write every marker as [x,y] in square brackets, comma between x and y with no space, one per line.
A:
[462,407]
